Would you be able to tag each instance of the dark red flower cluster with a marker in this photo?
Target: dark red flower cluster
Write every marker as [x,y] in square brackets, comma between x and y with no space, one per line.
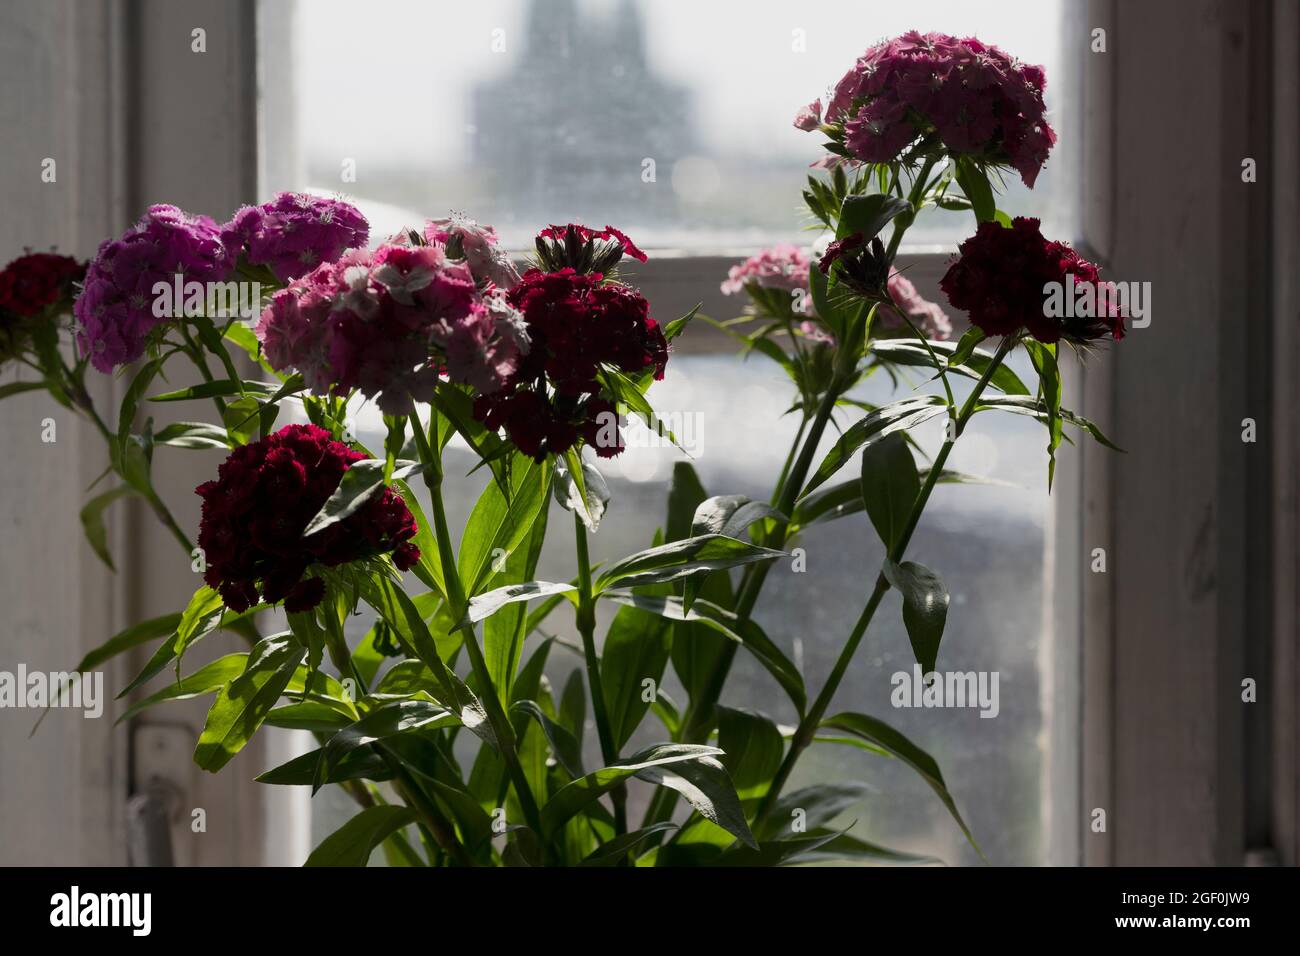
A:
[255,513]
[584,249]
[577,324]
[39,279]
[1001,277]
[587,234]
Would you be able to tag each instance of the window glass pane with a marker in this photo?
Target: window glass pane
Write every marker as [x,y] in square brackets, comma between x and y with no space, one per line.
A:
[987,542]
[671,119]
[554,128]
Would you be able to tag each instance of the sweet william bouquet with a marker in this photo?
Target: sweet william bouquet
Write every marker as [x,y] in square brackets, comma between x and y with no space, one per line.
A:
[536,373]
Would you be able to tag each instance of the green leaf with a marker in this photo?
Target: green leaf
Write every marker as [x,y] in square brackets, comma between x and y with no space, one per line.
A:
[311,715]
[131,402]
[198,435]
[205,680]
[133,636]
[705,785]
[636,649]
[359,482]
[563,744]
[890,486]
[362,764]
[489,602]
[913,353]
[200,617]
[696,650]
[925,608]
[217,389]
[17,388]
[246,339]
[974,182]
[382,723]
[966,346]
[352,843]
[827,504]
[616,850]
[573,704]
[92,521]
[401,614]
[869,214]
[677,326]
[728,624]
[504,633]
[833,315]
[846,847]
[240,419]
[242,705]
[497,526]
[773,853]
[1049,382]
[881,735]
[730,515]
[1034,408]
[588,498]
[457,407]
[875,427]
[817,807]
[577,795]
[752,750]
[679,559]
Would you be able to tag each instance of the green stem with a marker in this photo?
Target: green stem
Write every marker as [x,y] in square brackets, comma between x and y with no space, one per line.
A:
[587,628]
[195,352]
[807,729]
[699,720]
[902,223]
[434,820]
[457,601]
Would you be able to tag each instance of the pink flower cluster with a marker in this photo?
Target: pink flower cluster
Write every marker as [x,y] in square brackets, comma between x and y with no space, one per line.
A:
[383,321]
[980,101]
[477,245]
[785,269]
[294,233]
[779,267]
[931,320]
[114,312]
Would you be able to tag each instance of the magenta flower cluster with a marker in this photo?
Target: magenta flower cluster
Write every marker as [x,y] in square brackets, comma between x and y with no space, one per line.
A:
[289,235]
[294,233]
[388,322]
[978,100]
[115,312]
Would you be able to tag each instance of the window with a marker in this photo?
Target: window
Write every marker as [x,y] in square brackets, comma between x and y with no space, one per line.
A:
[524,113]
[671,119]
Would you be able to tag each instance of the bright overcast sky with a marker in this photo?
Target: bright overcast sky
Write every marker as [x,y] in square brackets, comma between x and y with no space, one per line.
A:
[395,75]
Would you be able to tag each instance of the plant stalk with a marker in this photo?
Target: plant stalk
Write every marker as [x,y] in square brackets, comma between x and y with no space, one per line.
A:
[587,628]
[807,729]
[457,600]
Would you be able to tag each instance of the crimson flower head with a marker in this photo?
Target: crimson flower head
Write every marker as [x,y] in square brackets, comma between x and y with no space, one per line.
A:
[256,510]
[578,325]
[584,249]
[1000,278]
[33,284]
[36,280]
